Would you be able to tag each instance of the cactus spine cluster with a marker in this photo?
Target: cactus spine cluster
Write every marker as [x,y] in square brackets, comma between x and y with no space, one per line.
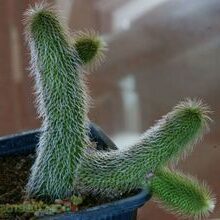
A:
[63,164]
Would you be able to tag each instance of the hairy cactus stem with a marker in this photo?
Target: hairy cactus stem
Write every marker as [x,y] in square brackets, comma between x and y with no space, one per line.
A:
[62,103]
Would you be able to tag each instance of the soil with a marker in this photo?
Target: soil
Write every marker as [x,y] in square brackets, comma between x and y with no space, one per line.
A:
[14,171]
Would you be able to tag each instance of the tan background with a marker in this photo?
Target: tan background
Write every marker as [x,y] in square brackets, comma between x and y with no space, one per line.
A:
[160,51]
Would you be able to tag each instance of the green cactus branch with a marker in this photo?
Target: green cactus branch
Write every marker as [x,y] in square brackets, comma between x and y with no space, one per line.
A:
[116,172]
[62,103]
[182,194]
[90,48]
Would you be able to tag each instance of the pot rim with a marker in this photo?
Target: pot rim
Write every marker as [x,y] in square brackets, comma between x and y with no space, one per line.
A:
[119,206]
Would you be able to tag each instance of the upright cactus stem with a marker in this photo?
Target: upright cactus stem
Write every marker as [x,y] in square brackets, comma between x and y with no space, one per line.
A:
[116,172]
[62,103]
[182,194]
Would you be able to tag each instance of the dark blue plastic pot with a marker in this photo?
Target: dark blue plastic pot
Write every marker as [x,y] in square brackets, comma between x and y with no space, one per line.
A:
[124,209]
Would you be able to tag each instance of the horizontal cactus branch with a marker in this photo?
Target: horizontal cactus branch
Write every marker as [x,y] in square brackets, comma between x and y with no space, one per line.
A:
[62,103]
[181,194]
[116,172]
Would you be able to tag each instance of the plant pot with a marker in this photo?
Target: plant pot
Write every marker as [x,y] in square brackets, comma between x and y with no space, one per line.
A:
[124,209]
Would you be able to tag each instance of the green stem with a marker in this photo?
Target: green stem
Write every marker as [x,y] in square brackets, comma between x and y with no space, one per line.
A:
[62,103]
[182,194]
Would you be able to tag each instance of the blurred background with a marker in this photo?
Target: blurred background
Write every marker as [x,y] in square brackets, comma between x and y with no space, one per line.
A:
[160,52]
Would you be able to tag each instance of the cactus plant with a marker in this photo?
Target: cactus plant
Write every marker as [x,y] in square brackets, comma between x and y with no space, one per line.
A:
[64,165]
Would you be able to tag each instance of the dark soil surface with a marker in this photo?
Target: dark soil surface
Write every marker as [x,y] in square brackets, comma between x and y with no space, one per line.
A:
[14,172]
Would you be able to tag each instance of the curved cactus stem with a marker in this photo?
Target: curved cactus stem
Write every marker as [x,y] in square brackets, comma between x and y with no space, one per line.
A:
[181,194]
[90,48]
[62,103]
[120,171]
